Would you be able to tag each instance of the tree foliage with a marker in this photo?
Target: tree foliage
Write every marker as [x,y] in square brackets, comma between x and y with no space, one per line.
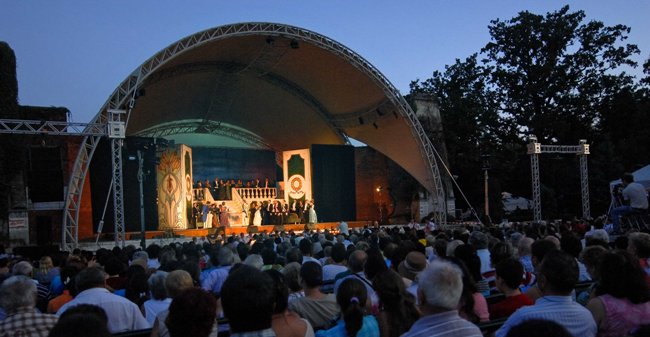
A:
[556,76]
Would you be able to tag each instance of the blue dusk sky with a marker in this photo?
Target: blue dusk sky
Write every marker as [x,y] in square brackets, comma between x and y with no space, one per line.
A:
[73,53]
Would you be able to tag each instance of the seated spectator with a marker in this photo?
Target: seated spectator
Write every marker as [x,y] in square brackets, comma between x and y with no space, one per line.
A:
[248,301]
[339,264]
[591,257]
[558,275]
[192,313]
[413,264]
[479,241]
[472,306]
[622,304]
[26,269]
[159,300]
[397,311]
[571,244]
[123,315]
[68,273]
[439,292]
[538,328]
[352,298]
[18,300]
[639,246]
[286,323]
[176,282]
[318,308]
[254,260]
[524,253]
[509,274]
[291,274]
[539,249]
[82,320]
[472,262]
[214,280]
[136,289]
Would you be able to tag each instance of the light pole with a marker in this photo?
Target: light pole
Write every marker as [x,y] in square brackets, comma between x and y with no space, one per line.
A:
[143,242]
[486,167]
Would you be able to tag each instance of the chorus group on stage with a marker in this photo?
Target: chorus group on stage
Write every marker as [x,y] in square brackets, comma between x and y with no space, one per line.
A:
[221,189]
[279,212]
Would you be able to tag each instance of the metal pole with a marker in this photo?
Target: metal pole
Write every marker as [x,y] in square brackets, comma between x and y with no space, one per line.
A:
[487,198]
[143,242]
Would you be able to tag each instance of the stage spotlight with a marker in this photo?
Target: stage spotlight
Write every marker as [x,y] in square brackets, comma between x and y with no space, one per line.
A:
[375,125]
[361,120]
[294,44]
[379,112]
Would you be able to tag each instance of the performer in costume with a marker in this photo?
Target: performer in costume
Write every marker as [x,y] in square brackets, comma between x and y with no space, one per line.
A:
[257,218]
[223,215]
[312,213]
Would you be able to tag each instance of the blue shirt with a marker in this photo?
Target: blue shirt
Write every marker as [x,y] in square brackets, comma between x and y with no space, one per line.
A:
[559,309]
[370,328]
[446,323]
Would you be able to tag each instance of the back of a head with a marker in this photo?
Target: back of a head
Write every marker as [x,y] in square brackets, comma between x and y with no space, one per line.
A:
[351,298]
[538,328]
[293,255]
[156,284]
[82,320]
[478,239]
[627,178]
[91,277]
[540,248]
[356,261]
[177,281]
[17,292]
[311,274]
[390,289]
[23,268]
[640,243]
[248,299]
[280,290]
[338,253]
[571,244]
[621,276]
[226,256]
[511,271]
[560,272]
[441,285]
[255,261]
[192,313]
[306,246]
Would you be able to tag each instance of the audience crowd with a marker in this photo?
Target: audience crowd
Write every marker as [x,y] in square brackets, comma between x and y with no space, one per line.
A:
[520,280]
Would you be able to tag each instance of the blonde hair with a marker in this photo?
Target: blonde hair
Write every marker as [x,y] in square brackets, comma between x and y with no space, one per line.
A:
[45,264]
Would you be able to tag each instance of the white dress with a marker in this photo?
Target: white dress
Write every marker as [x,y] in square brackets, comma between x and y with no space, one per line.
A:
[312,215]
[257,219]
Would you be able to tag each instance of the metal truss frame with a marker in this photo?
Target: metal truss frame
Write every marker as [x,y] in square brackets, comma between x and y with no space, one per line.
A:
[207,127]
[51,128]
[534,149]
[122,98]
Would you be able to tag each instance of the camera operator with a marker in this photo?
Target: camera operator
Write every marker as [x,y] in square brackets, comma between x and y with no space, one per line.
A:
[634,199]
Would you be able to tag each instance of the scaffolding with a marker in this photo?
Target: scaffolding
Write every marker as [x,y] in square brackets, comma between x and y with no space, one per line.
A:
[581,150]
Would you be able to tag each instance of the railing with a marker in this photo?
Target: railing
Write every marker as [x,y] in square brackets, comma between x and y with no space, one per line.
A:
[257,193]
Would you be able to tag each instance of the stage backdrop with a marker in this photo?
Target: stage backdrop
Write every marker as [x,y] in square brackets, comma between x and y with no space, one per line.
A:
[101,173]
[297,175]
[174,177]
[226,163]
[333,182]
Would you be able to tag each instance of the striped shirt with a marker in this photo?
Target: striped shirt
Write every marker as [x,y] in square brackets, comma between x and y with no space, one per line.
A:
[559,309]
[447,323]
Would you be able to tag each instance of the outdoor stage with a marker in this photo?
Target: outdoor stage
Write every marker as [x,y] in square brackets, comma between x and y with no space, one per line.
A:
[236,230]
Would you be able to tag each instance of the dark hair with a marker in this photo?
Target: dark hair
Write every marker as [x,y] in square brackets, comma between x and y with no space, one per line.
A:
[248,299]
[312,274]
[280,290]
[375,263]
[192,313]
[560,271]
[511,271]
[621,276]
[351,297]
[472,262]
[571,244]
[91,277]
[136,288]
[540,248]
[306,246]
[538,328]
[82,320]
[499,252]
[268,256]
[627,177]
[338,252]
[469,288]
[395,301]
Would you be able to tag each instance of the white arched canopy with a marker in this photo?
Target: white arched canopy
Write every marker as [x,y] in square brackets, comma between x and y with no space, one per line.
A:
[265,85]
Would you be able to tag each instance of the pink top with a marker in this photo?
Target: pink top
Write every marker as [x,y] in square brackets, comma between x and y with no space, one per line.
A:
[480,308]
[622,316]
